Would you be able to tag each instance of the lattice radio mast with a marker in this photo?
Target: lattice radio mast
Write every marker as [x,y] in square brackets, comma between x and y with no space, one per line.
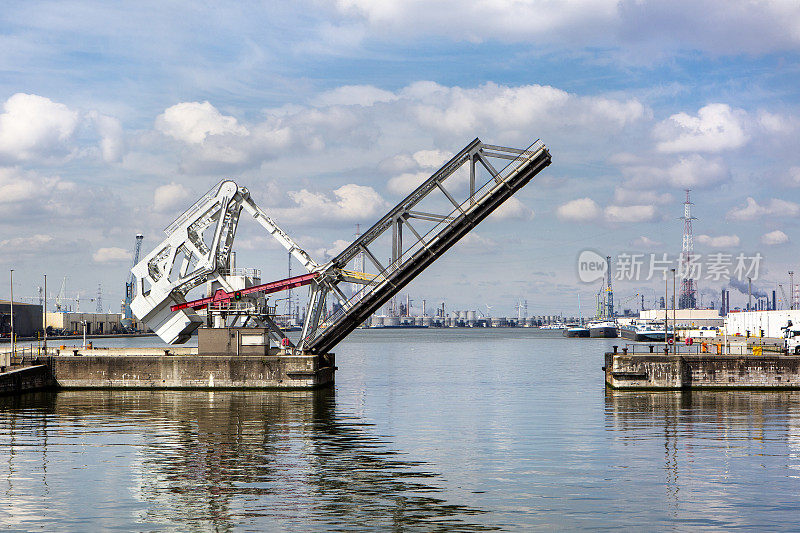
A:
[688,297]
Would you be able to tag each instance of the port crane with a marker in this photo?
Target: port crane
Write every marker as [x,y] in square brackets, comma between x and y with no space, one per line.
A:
[129,285]
[418,230]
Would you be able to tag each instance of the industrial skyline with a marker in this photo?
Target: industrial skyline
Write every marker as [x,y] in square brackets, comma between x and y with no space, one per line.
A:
[110,126]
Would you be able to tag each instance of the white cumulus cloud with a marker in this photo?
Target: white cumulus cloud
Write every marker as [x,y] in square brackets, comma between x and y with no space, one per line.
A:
[350,202]
[716,26]
[773,208]
[774,237]
[406,182]
[630,213]
[111,255]
[512,209]
[645,242]
[691,171]
[169,197]
[33,127]
[720,241]
[715,128]
[32,243]
[193,122]
[112,136]
[580,210]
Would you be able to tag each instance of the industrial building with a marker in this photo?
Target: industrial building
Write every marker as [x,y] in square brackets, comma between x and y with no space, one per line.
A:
[72,323]
[685,318]
[27,319]
[760,323]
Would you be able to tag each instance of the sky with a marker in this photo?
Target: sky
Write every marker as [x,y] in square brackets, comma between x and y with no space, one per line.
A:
[115,117]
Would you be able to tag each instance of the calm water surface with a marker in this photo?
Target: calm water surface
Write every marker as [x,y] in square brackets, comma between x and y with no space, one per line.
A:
[424,430]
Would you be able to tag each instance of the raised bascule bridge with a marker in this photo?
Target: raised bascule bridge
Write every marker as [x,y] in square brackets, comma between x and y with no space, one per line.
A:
[240,344]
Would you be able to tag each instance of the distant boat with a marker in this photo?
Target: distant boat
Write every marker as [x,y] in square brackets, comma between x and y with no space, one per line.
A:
[605,329]
[576,331]
[557,325]
[643,331]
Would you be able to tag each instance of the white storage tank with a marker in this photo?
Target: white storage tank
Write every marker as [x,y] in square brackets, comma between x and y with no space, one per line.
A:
[391,321]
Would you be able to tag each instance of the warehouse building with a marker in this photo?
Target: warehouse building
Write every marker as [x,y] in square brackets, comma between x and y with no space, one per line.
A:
[27,319]
[686,318]
[72,323]
[760,323]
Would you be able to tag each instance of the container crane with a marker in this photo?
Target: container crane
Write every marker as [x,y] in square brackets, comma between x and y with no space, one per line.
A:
[127,315]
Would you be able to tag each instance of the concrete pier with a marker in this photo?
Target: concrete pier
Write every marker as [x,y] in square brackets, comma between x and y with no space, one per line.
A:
[104,370]
[27,379]
[701,371]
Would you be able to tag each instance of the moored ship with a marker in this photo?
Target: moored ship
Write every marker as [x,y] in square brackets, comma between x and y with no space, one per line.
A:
[606,329]
[643,331]
[574,330]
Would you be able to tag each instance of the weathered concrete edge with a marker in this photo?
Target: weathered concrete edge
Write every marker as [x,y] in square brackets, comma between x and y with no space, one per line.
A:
[28,379]
[684,372]
[172,373]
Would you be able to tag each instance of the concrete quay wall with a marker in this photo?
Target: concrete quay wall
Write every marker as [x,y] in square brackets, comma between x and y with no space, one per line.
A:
[191,372]
[171,372]
[31,378]
[624,371]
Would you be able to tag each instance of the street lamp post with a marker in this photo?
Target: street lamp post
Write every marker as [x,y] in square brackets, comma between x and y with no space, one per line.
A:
[666,312]
[44,315]
[674,344]
[13,344]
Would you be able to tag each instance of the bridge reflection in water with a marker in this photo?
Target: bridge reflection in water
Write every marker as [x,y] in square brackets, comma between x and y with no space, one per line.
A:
[210,461]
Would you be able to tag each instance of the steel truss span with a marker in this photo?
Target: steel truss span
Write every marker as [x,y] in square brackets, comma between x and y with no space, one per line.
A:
[410,256]
[417,231]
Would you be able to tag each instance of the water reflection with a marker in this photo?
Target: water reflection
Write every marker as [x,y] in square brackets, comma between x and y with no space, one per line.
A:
[722,451]
[210,461]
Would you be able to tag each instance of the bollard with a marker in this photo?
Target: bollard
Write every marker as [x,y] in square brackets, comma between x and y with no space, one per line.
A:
[651,348]
[615,349]
[625,351]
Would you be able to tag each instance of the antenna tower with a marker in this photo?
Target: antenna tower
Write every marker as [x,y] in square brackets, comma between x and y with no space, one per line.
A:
[688,296]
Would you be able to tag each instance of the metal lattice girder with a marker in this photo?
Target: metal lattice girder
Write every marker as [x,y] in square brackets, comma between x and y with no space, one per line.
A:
[409,258]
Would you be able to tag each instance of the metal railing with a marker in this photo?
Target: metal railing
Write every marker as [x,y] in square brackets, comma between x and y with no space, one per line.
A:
[193,208]
[25,355]
[697,348]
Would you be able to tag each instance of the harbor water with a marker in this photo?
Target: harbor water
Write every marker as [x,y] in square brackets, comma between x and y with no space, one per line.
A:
[462,429]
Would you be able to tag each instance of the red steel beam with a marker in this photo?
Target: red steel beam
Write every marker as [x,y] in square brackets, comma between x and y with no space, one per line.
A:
[266,288]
